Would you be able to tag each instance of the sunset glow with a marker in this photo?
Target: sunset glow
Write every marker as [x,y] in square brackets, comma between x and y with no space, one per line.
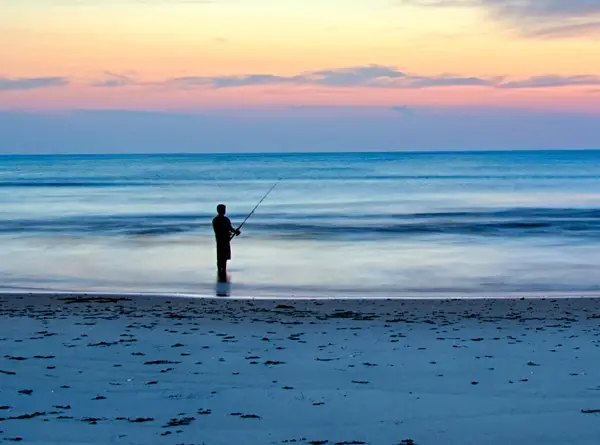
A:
[182,55]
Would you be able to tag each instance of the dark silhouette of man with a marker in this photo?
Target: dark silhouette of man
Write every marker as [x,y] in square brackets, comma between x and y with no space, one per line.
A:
[224,231]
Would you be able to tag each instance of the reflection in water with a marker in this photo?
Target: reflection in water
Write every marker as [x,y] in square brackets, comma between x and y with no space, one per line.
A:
[223,289]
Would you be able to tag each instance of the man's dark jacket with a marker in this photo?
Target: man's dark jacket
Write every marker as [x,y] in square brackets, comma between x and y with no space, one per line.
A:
[223,231]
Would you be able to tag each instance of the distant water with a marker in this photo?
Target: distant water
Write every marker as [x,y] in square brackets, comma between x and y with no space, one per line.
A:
[386,225]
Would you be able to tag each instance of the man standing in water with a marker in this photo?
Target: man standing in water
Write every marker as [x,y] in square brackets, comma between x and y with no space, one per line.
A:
[223,234]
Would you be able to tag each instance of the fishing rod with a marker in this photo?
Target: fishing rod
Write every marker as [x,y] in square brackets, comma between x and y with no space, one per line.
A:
[256,206]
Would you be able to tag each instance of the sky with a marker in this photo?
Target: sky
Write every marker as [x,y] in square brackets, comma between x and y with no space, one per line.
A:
[298,75]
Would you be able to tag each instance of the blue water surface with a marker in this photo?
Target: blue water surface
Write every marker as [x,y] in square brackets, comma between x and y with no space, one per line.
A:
[339,224]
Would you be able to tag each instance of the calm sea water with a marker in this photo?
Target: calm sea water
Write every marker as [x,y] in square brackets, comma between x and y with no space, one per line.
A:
[385,225]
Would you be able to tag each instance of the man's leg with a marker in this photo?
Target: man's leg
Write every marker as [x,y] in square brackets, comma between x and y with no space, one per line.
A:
[222,270]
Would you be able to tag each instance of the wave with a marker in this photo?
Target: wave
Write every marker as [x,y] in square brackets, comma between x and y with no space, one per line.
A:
[73,184]
[329,175]
[522,222]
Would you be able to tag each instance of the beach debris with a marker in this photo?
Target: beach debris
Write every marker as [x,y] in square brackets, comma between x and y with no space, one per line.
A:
[175,316]
[352,442]
[245,416]
[179,422]
[141,420]
[127,340]
[92,420]
[72,300]
[26,416]
[344,314]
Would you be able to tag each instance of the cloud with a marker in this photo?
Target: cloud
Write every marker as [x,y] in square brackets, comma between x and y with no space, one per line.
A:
[114,80]
[552,81]
[449,81]
[565,31]
[522,8]
[535,18]
[31,83]
[378,76]
[130,2]
[375,76]
[237,81]
[545,8]
[368,76]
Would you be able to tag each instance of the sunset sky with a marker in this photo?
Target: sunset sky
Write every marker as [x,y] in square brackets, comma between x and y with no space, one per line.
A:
[258,63]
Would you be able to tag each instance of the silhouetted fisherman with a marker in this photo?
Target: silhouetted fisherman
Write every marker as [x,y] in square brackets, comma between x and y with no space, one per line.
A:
[224,231]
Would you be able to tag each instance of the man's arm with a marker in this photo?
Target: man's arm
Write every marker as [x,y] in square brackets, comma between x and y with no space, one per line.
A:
[233,230]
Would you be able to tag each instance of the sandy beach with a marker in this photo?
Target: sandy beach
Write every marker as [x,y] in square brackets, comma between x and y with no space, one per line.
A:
[137,370]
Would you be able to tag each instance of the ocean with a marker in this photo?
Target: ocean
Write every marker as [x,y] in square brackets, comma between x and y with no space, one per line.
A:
[504,224]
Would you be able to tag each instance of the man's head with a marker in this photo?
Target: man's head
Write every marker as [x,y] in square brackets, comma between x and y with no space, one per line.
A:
[221,209]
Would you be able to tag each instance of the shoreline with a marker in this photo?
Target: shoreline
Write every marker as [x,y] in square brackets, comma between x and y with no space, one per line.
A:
[206,296]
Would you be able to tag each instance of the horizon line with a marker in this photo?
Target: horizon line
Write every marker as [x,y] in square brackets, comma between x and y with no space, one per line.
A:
[259,153]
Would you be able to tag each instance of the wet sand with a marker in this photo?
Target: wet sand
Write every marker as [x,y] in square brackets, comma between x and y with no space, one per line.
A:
[139,370]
